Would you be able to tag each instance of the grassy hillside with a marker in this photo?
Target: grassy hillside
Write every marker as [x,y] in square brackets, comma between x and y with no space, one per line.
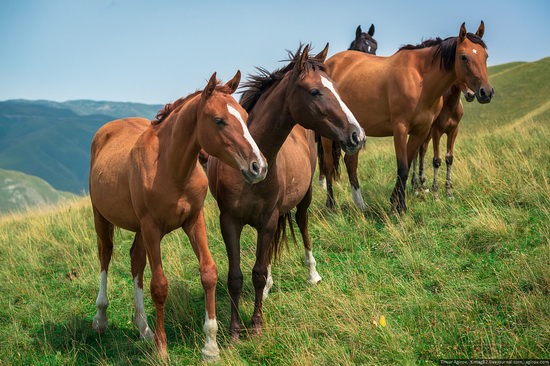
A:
[19,192]
[466,278]
[52,140]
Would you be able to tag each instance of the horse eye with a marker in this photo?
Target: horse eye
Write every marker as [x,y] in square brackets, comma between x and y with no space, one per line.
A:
[315,92]
[220,122]
[463,58]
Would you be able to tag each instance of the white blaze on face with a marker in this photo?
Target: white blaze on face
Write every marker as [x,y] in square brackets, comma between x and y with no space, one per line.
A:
[475,51]
[347,111]
[247,136]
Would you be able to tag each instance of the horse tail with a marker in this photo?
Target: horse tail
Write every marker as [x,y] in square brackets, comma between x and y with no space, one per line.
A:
[320,155]
[280,239]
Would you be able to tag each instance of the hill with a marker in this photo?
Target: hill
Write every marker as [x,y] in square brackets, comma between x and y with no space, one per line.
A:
[52,140]
[19,192]
[454,279]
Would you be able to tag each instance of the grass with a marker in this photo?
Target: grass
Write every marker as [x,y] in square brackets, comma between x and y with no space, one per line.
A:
[467,278]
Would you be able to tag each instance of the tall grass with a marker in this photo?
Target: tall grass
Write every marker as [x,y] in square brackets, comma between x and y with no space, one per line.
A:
[467,278]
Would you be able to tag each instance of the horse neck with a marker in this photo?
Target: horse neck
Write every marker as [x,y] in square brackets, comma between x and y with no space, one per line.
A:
[452,96]
[436,80]
[270,121]
[179,143]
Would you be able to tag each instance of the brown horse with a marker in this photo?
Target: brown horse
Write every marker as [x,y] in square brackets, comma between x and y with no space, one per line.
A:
[302,93]
[144,177]
[445,123]
[401,94]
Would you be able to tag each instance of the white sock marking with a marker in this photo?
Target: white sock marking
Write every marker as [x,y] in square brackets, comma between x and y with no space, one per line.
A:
[268,283]
[210,352]
[102,302]
[140,318]
[313,277]
[358,198]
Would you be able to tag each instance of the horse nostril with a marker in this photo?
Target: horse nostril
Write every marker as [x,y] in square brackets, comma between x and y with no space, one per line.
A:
[355,138]
[482,93]
[254,168]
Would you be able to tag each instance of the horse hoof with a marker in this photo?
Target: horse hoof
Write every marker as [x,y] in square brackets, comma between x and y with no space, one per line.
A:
[148,335]
[314,279]
[99,324]
[210,354]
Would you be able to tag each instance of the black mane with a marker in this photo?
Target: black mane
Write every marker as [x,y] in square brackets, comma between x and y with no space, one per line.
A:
[257,85]
[446,48]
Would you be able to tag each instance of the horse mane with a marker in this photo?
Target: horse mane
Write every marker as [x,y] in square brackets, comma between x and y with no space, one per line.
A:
[171,107]
[257,85]
[446,48]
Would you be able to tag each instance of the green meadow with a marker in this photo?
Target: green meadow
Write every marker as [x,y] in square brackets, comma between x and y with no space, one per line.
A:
[462,278]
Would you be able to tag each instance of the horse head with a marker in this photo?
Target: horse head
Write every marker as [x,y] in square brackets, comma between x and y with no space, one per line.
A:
[223,133]
[471,63]
[364,42]
[316,104]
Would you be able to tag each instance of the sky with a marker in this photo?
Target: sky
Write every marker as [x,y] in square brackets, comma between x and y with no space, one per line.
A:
[158,51]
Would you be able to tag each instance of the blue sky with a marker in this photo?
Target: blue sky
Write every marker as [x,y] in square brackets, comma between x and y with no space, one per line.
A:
[158,51]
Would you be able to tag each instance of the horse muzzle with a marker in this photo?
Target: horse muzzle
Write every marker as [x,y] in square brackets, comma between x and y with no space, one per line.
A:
[355,142]
[255,173]
[484,95]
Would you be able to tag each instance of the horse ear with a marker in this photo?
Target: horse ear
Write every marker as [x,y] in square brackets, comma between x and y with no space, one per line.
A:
[303,59]
[233,84]
[207,92]
[371,30]
[358,32]
[462,33]
[481,30]
[321,56]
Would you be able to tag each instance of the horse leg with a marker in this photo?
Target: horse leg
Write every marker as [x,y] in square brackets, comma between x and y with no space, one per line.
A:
[138,257]
[400,143]
[104,230]
[152,236]
[421,172]
[414,178]
[328,164]
[352,161]
[196,231]
[266,234]
[436,137]
[231,232]
[302,220]
[451,137]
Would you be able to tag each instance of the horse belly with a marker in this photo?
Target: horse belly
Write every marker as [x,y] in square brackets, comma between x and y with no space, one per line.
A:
[299,156]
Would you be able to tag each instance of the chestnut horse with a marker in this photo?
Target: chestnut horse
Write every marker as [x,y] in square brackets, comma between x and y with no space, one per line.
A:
[299,93]
[401,94]
[144,177]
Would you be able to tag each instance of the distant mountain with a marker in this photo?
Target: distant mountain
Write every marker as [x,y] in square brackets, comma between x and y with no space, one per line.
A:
[52,140]
[19,191]
[92,107]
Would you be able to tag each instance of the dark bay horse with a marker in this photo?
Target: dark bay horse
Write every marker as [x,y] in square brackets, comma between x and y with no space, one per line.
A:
[144,177]
[401,94]
[364,42]
[282,105]
[445,123]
